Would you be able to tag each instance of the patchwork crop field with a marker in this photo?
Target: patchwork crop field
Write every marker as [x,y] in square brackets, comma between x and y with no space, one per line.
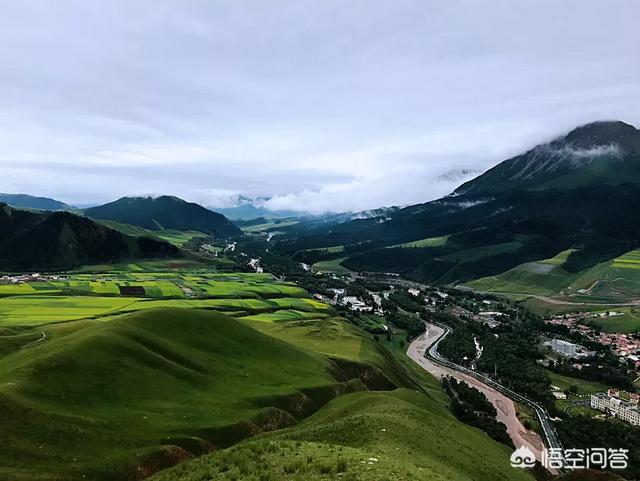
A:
[91,296]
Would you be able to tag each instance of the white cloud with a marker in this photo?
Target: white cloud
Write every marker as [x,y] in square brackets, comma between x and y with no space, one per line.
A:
[320,105]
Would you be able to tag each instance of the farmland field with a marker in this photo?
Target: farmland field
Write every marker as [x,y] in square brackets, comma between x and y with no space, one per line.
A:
[33,310]
[89,296]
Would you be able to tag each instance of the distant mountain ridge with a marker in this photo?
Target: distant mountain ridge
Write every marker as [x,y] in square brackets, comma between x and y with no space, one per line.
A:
[25,201]
[62,240]
[165,212]
[579,192]
[600,152]
[248,208]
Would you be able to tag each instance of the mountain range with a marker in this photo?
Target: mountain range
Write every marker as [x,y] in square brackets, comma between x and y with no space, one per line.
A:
[580,192]
[24,201]
[247,209]
[577,192]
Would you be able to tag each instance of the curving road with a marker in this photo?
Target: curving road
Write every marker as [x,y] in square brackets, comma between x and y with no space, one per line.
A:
[424,351]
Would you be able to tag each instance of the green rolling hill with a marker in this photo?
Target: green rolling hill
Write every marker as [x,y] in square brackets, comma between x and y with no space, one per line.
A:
[102,399]
[362,436]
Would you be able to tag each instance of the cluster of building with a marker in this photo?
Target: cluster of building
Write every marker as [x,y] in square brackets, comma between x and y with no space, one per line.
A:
[22,278]
[255,265]
[356,304]
[625,346]
[613,404]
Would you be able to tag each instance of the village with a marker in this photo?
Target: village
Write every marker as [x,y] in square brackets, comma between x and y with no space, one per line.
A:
[625,346]
[34,277]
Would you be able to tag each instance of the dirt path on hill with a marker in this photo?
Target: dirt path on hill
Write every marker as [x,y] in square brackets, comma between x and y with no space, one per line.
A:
[43,337]
[504,406]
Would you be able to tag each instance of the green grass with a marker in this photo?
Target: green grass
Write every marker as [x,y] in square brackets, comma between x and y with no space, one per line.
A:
[26,289]
[117,388]
[429,242]
[363,436]
[34,310]
[629,321]
[558,259]
[242,289]
[284,315]
[584,387]
[332,265]
[328,336]
[176,237]
[268,226]
[330,250]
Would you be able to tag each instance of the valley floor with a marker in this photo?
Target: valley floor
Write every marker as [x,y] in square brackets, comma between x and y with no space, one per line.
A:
[505,407]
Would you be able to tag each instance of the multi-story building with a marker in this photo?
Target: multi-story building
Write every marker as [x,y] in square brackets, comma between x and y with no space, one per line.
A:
[625,410]
[568,349]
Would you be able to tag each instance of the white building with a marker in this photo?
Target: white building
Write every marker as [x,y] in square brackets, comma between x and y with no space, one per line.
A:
[568,349]
[355,304]
[617,407]
[562,347]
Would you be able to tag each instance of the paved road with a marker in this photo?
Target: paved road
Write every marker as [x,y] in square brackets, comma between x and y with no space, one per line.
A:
[501,397]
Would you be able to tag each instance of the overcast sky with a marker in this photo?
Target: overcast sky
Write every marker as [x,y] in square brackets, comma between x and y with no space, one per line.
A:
[321,105]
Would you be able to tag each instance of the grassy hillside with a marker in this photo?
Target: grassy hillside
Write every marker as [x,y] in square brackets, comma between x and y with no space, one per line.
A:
[616,280]
[101,396]
[178,238]
[363,436]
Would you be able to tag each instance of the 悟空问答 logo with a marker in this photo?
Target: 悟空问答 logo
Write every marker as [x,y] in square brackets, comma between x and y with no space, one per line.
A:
[523,457]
